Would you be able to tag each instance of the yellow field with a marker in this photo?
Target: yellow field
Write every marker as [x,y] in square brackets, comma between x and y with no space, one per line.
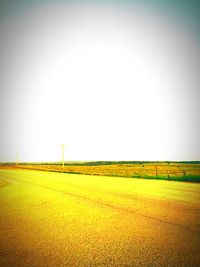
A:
[172,171]
[58,219]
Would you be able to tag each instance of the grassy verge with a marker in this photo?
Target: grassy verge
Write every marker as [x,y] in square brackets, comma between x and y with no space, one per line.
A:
[189,178]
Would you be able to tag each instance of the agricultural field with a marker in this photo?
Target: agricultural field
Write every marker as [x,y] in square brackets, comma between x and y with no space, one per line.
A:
[151,170]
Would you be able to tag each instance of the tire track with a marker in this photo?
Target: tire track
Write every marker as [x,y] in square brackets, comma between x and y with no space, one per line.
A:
[8,181]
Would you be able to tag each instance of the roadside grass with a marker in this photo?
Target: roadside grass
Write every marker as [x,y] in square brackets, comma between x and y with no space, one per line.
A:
[188,178]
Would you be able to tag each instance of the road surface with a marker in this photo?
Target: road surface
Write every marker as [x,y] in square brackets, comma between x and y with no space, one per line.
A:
[57,219]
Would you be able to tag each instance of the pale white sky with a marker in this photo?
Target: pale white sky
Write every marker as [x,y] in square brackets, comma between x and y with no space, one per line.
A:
[112,83]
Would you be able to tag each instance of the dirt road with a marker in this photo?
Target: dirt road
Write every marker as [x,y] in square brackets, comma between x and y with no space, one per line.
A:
[55,219]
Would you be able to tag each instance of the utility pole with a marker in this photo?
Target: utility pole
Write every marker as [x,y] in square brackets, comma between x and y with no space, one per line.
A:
[17,158]
[156,169]
[63,155]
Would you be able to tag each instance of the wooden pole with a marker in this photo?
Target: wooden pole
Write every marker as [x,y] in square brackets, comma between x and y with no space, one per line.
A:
[17,158]
[156,170]
[63,155]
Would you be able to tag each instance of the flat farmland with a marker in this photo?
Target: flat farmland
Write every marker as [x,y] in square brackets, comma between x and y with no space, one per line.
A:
[60,219]
[168,171]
